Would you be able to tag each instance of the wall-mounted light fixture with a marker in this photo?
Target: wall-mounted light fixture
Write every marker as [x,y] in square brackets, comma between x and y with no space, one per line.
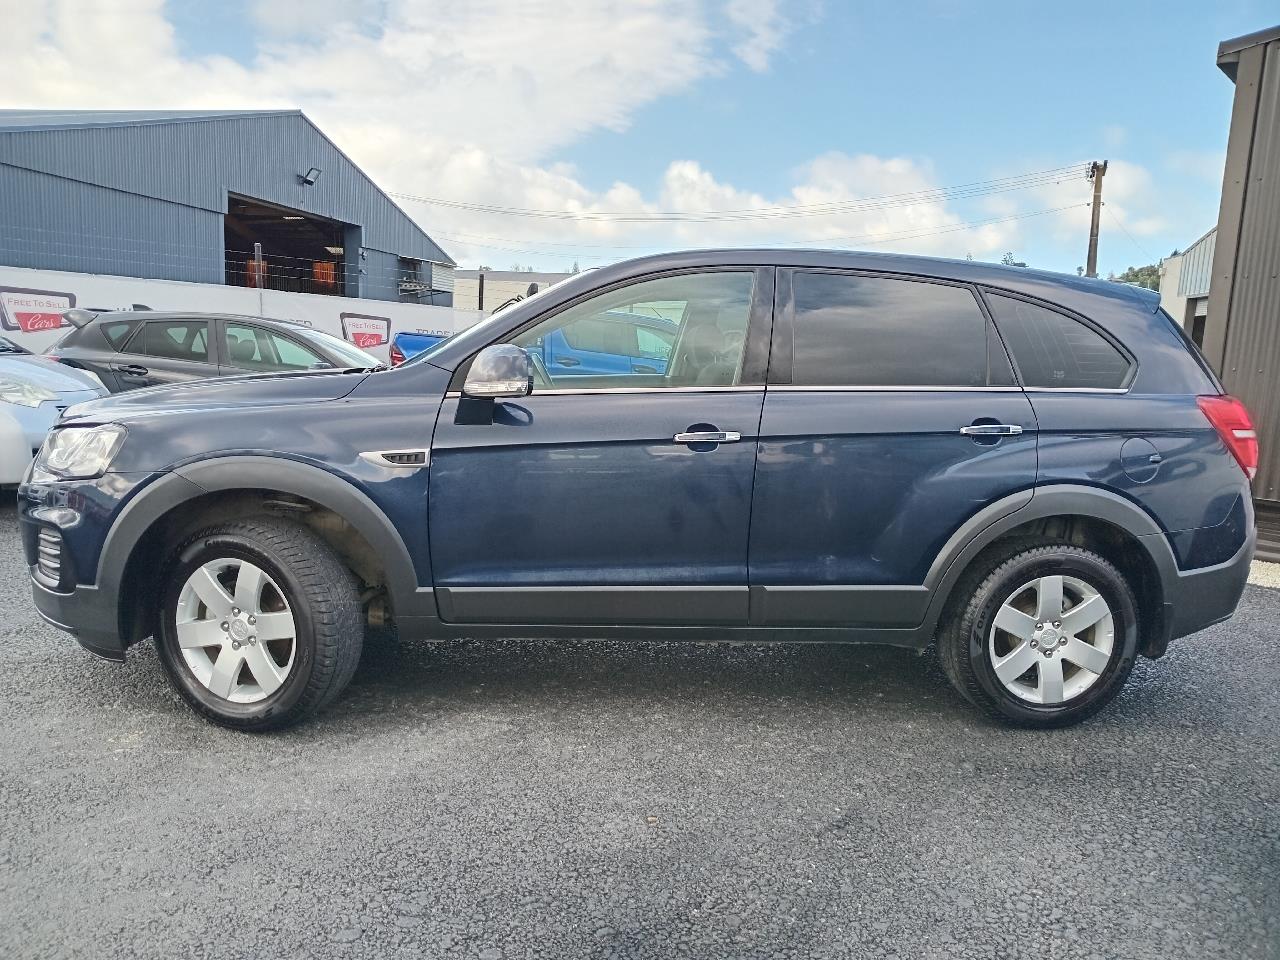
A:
[310,177]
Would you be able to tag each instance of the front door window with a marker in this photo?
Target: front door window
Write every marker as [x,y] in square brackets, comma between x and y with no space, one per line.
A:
[685,331]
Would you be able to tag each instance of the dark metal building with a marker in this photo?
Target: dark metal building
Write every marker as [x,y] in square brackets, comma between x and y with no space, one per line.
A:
[196,195]
[1242,331]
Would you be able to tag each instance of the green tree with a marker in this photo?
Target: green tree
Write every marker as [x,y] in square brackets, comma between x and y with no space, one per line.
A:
[1148,276]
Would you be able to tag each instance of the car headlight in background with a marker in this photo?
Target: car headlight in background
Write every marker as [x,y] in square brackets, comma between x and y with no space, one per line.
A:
[24,394]
[77,453]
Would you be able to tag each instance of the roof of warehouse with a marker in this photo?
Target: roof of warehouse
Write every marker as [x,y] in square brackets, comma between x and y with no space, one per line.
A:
[18,120]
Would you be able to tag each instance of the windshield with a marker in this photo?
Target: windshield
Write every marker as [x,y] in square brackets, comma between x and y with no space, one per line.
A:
[347,353]
[8,346]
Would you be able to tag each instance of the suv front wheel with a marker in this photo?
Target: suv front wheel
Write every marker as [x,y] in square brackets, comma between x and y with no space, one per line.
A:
[262,623]
[1044,637]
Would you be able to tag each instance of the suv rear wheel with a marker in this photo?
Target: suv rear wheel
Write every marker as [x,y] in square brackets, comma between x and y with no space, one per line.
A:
[1042,637]
[262,623]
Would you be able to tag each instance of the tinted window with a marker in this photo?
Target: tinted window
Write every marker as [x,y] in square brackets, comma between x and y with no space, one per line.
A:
[177,340]
[675,331]
[1054,350]
[116,331]
[254,348]
[874,331]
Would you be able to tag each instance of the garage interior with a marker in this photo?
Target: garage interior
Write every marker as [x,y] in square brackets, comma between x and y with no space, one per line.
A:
[300,252]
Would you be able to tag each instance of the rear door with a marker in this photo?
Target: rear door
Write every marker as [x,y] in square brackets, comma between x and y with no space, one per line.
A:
[891,417]
[166,350]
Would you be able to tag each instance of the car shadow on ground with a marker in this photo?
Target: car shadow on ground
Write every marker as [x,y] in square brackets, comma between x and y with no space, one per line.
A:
[581,673]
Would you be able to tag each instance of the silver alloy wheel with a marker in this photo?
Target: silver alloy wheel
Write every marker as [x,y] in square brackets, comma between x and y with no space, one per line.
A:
[1051,639]
[235,630]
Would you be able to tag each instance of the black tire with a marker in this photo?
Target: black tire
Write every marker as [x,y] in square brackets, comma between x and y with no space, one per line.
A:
[322,595]
[963,639]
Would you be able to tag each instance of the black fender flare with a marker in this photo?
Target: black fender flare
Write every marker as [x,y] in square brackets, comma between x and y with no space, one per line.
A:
[1054,500]
[281,474]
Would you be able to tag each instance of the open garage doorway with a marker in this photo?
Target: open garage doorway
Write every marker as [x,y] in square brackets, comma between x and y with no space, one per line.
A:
[300,252]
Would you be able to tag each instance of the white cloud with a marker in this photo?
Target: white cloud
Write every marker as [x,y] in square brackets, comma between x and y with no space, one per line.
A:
[472,101]
[763,29]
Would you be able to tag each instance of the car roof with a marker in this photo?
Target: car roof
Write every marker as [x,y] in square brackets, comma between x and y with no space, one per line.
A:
[1022,279]
[194,315]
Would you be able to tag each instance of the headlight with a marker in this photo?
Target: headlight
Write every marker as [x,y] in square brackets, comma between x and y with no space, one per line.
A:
[77,453]
[24,394]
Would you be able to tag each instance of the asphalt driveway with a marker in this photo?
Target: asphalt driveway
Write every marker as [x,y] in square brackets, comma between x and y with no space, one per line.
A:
[540,799]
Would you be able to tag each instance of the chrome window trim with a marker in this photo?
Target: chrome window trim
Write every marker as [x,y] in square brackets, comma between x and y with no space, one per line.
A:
[815,388]
[1107,390]
[844,388]
[584,391]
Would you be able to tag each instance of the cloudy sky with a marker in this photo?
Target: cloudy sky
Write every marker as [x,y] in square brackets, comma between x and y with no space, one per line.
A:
[544,133]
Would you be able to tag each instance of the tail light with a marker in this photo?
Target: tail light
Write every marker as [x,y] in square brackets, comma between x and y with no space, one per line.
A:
[1231,419]
[397,356]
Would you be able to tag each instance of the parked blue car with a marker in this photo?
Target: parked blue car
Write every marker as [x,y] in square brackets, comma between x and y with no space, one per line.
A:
[1039,472]
[405,345]
[619,343]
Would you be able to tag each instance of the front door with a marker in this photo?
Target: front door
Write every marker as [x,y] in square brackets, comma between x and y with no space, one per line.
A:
[612,498]
[892,417]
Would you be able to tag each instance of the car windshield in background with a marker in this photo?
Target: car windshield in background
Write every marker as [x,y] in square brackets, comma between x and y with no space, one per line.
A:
[348,353]
[8,346]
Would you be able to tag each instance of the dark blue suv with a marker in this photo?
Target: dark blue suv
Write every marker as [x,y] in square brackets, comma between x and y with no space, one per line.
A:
[1038,471]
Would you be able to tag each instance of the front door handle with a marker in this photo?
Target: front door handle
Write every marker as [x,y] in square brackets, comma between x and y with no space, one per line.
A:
[709,436]
[991,430]
[133,370]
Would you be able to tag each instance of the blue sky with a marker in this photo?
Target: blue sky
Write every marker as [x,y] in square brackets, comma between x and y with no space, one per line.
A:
[703,105]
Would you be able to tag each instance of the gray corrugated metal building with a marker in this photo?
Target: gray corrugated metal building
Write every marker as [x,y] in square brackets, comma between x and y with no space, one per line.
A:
[186,195]
[1242,333]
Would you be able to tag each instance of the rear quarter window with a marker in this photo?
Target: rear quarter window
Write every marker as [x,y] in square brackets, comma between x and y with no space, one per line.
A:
[116,332]
[1052,350]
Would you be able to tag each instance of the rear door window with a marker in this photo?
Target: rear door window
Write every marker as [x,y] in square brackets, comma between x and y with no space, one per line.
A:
[251,347]
[1053,350]
[176,340]
[863,331]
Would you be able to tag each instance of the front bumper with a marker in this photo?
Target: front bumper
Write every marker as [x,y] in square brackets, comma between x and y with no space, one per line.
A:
[97,523]
[86,613]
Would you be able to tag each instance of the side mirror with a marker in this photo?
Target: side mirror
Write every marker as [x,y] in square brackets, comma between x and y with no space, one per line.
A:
[502,370]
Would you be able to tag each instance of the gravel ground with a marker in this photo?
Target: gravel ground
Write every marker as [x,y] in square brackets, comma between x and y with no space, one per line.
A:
[534,799]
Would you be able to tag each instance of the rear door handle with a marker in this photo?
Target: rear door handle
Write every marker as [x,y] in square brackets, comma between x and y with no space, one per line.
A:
[991,430]
[709,436]
[133,370]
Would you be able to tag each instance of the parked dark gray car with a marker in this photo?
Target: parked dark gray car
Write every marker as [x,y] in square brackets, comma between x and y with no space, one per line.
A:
[129,349]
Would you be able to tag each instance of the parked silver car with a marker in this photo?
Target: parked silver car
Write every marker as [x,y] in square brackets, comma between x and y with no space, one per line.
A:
[33,393]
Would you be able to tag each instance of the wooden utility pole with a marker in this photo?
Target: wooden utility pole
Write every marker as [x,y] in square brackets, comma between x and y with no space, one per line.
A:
[1097,170]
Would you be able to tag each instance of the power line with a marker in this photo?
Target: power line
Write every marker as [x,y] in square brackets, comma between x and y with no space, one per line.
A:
[1134,240]
[870,239]
[974,189]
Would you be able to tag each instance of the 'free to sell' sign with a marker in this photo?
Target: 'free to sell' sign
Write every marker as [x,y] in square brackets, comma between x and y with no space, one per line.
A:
[31,310]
